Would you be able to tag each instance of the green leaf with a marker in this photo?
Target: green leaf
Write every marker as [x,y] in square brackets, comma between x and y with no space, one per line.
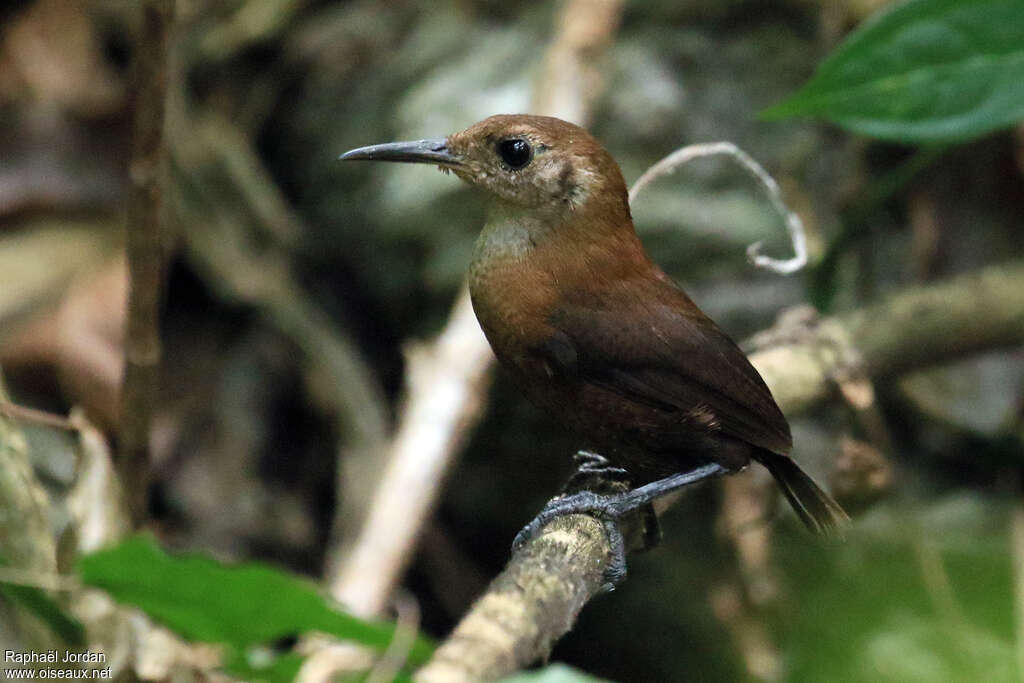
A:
[241,605]
[924,71]
[39,603]
[555,673]
[36,601]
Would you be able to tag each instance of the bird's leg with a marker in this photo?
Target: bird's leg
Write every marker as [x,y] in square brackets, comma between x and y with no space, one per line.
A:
[610,509]
[595,473]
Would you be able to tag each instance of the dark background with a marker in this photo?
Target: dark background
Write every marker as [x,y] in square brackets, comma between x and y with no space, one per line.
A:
[269,235]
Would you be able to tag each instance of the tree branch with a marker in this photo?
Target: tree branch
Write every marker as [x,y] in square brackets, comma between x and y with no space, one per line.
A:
[528,607]
[535,600]
[918,327]
[145,254]
[446,382]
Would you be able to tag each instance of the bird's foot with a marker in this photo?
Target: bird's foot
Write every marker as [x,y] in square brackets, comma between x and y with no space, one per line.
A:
[595,473]
[606,508]
[610,510]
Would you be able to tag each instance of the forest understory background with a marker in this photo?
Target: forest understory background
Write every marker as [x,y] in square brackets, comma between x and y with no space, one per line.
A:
[307,315]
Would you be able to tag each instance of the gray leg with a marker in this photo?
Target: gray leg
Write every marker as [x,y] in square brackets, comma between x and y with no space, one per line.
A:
[612,508]
[595,473]
[656,489]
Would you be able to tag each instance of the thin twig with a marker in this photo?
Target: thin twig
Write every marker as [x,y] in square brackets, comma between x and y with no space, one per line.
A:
[145,255]
[794,225]
[96,503]
[749,631]
[446,383]
[328,659]
[746,511]
[572,77]
[407,626]
[36,416]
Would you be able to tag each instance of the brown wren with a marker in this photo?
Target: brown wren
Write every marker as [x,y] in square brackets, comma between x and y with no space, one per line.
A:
[597,335]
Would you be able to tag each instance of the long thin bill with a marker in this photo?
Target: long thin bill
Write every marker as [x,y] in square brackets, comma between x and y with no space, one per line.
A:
[417,152]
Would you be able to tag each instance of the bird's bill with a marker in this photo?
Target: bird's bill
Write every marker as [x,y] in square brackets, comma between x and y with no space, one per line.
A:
[417,152]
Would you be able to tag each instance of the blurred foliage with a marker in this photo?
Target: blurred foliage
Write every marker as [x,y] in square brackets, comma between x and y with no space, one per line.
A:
[927,71]
[241,606]
[911,596]
[39,603]
[824,280]
[279,247]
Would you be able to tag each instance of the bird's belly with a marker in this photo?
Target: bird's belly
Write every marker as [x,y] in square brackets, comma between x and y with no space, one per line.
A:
[648,441]
[512,302]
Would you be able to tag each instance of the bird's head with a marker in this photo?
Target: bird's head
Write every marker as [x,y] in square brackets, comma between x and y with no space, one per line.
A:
[535,163]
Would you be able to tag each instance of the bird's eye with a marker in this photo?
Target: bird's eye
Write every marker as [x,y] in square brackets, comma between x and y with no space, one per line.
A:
[515,152]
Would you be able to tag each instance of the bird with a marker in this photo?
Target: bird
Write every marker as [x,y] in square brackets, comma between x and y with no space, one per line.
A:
[597,335]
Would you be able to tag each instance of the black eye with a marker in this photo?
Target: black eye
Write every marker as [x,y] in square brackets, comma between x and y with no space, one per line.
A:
[515,152]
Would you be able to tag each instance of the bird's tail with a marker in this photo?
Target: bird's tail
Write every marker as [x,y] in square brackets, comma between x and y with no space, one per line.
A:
[818,511]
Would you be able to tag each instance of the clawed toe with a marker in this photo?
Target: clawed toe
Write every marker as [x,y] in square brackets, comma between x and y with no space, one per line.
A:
[605,508]
[610,508]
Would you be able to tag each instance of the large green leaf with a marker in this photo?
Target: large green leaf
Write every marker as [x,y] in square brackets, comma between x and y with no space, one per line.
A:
[924,71]
[240,605]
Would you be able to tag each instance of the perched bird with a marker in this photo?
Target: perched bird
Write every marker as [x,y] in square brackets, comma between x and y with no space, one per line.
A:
[596,334]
